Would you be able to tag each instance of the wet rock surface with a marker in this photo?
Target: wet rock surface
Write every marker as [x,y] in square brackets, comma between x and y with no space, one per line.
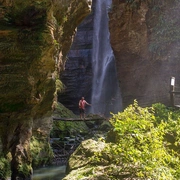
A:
[64,147]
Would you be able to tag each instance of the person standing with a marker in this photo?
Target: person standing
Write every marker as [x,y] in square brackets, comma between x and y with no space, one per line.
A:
[82,104]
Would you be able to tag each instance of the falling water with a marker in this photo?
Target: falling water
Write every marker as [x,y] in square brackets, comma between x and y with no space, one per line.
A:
[106,92]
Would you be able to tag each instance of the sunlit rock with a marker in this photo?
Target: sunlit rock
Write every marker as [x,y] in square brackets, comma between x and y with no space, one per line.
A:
[145,41]
[35,38]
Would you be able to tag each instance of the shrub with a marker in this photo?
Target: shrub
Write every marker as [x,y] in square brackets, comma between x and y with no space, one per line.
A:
[4,168]
[140,149]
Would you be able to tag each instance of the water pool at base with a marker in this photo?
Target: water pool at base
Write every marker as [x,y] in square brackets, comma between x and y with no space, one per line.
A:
[50,173]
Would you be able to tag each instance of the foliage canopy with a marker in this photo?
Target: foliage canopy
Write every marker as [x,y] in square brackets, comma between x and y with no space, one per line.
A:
[143,143]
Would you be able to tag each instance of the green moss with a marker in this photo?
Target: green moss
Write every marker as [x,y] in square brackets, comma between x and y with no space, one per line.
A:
[62,111]
[41,151]
[62,128]
[48,86]
[24,170]
[59,85]
[4,167]
[19,48]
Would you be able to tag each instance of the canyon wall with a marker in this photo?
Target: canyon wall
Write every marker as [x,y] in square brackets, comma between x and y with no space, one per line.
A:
[35,38]
[145,40]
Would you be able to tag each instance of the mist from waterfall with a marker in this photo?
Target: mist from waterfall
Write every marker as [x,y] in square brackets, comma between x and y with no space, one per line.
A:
[106,96]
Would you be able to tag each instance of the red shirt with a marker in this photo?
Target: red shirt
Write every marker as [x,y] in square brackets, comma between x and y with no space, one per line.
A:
[82,104]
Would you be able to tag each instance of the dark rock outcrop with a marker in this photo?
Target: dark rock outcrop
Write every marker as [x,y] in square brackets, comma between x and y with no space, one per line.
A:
[35,38]
[77,76]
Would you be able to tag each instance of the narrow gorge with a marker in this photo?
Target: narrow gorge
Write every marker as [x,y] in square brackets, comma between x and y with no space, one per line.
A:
[51,54]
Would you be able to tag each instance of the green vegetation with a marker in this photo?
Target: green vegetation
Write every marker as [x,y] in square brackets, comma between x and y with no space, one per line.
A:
[62,111]
[4,167]
[59,86]
[143,144]
[141,147]
[61,128]
[24,170]
[41,152]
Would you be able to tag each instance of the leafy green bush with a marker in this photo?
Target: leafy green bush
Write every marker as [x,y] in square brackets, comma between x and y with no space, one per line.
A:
[4,168]
[140,148]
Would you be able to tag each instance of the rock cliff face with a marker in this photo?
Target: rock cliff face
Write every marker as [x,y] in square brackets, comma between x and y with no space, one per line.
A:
[145,40]
[77,76]
[35,37]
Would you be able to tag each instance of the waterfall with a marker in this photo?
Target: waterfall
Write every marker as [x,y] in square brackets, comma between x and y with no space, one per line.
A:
[106,96]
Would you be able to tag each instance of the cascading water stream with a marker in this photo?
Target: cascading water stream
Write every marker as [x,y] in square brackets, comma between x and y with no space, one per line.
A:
[106,96]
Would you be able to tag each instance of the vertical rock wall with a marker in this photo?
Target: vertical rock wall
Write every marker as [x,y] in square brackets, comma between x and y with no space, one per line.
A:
[35,37]
[145,40]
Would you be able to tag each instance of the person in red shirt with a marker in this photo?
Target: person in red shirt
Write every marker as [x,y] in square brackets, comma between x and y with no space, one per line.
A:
[82,104]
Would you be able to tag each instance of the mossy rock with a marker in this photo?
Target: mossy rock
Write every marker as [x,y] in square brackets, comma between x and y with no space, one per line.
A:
[105,126]
[41,152]
[62,111]
[87,173]
[81,157]
[90,172]
[63,128]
